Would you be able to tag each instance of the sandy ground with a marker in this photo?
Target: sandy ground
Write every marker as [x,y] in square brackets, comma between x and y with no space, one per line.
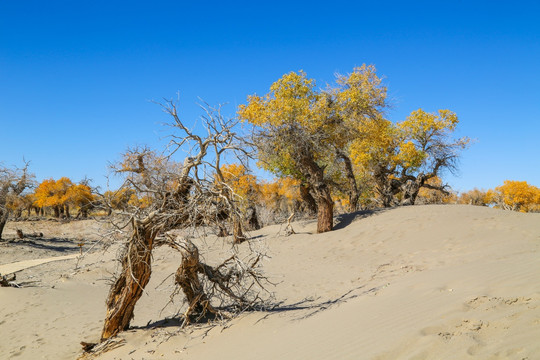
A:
[422,282]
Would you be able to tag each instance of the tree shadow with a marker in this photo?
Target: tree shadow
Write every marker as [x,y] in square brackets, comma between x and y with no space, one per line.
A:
[315,307]
[311,305]
[59,245]
[345,220]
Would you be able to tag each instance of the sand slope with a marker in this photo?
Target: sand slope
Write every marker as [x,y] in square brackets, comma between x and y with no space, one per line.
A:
[423,282]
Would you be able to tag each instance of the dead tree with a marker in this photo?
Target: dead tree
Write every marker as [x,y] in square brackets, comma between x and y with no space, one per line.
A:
[167,196]
[136,270]
[232,282]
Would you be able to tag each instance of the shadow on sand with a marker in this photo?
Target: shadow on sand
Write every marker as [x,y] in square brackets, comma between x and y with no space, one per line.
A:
[59,245]
[312,306]
[344,220]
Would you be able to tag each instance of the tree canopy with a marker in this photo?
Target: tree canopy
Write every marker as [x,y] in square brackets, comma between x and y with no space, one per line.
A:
[305,133]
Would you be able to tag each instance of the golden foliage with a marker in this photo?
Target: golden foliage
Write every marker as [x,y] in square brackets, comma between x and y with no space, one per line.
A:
[280,194]
[421,145]
[62,193]
[52,193]
[326,120]
[474,197]
[515,195]
[291,99]
[241,182]
[378,145]
[119,200]
[360,92]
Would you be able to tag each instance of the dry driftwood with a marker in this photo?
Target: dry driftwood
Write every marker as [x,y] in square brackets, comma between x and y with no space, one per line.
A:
[289,229]
[8,280]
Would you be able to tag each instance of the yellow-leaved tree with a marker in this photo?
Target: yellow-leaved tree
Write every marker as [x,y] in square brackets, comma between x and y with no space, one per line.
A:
[245,188]
[403,157]
[62,194]
[474,197]
[515,195]
[305,133]
[53,194]
[81,197]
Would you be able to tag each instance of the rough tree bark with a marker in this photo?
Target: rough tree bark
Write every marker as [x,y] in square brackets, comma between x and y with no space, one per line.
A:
[238,232]
[411,187]
[410,191]
[321,190]
[353,192]
[325,210]
[187,277]
[178,198]
[128,288]
[310,205]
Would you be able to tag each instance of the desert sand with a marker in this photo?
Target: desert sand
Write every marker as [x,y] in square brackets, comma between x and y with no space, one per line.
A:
[419,282]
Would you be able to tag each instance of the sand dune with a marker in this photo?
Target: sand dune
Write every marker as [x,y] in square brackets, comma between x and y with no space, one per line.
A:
[422,282]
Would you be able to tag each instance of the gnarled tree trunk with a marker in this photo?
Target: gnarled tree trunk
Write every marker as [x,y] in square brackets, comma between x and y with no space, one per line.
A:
[325,212]
[238,232]
[310,205]
[128,288]
[353,192]
[410,191]
[321,192]
[188,279]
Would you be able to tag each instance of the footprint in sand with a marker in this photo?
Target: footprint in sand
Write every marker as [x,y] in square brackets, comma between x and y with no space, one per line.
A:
[490,303]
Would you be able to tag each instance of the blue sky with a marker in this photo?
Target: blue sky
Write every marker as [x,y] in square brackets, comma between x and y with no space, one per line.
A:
[77,77]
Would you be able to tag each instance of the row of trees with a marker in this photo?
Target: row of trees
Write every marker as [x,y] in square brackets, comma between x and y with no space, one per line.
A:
[58,196]
[512,195]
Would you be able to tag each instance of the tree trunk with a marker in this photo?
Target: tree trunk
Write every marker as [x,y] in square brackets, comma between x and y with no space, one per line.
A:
[386,194]
[325,213]
[310,205]
[410,191]
[188,279]
[315,178]
[353,192]
[57,212]
[3,220]
[238,233]
[128,288]
[252,219]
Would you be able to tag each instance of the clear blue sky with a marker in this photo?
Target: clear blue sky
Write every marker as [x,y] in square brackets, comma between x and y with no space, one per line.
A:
[77,77]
